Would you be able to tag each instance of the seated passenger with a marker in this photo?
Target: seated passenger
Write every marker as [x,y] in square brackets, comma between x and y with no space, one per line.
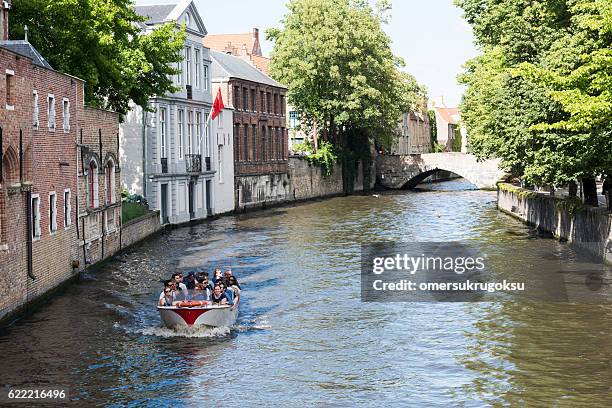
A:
[229,293]
[217,275]
[233,284]
[178,279]
[190,281]
[201,292]
[218,297]
[166,297]
[206,283]
[228,275]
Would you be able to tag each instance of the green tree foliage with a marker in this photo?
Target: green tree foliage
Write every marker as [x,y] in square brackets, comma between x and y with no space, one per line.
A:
[337,63]
[100,41]
[538,95]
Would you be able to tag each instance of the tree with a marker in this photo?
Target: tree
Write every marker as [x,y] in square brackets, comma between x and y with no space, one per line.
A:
[339,69]
[100,41]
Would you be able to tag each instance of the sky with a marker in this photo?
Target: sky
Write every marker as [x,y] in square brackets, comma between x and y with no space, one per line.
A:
[430,35]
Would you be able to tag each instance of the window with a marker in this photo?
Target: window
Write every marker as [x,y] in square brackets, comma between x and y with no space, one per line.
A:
[109,217]
[188,65]
[294,118]
[110,182]
[271,143]
[245,102]
[220,120]
[278,144]
[276,104]
[236,97]
[66,114]
[237,142]
[35,110]
[198,127]
[282,105]
[253,102]
[181,130]
[283,143]
[162,133]
[197,67]
[10,90]
[220,156]
[262,100]
[205,77]
[67,209]
[246,143]
[254,141]
[35,216]
[187,19]
[269,101]
[52,212]
[263,144]
[92,183]
[51,111]
[189,131]
[179,76]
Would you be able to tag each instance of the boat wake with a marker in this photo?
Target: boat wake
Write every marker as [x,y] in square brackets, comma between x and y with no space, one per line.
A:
[189,331]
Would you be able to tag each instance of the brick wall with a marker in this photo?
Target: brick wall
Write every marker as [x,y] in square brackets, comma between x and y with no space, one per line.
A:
[140,228]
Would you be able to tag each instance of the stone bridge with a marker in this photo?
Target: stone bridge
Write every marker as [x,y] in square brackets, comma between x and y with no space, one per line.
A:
[406,171]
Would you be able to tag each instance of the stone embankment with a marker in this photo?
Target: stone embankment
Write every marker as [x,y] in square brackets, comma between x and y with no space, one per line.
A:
[586,227]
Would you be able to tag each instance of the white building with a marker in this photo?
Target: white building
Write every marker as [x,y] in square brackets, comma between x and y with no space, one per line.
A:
[223,140]
[167,154]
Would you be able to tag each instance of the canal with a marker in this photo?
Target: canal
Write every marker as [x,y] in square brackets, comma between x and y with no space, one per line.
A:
[303,336]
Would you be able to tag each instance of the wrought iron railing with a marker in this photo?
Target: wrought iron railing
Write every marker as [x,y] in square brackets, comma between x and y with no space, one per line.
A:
[193,162]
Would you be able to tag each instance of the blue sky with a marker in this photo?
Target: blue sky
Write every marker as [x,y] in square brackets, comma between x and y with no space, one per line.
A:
[430,35]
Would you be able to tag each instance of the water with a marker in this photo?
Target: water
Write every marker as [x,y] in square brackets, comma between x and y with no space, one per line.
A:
[303,336]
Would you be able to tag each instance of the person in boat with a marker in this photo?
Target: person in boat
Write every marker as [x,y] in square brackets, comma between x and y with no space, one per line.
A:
[229,293]
[218,297]
[167,296]
[201,292]
[233,285]
[218,275]
[228,275]
[190,281]
[178,280]
[204,280]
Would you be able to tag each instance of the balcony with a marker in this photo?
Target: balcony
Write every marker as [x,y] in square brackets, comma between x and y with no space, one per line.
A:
[193,163]
[164,165]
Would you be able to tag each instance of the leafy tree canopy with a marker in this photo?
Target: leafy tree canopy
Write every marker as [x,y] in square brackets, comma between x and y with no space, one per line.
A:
[100,41]
[337,63]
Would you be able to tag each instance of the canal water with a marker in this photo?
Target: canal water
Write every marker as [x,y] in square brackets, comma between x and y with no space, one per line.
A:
[303,336]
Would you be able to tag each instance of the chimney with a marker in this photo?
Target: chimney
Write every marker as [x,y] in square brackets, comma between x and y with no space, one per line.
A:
[256,34]
[5,6]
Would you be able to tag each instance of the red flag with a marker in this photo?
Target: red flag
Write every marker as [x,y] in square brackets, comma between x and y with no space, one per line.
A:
[218,106]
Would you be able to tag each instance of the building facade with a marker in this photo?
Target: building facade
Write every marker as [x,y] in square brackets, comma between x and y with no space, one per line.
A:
[414,134]
[41,113]
[168,152]
[259,129]
[223,140]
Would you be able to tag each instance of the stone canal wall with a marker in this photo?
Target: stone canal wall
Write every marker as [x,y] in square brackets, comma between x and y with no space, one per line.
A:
[587,227]
[303,181]
[138,229]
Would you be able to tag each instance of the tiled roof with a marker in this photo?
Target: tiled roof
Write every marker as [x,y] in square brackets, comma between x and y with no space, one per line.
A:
[26,49]
[225,65]
[156,13]
[263,63]
[448,114]
[230,42]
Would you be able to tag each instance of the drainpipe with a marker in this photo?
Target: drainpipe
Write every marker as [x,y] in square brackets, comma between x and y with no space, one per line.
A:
[28,208]
[144,152]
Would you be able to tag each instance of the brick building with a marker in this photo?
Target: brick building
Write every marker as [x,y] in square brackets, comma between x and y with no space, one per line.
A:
[414,133]
[260,134]
[40,117]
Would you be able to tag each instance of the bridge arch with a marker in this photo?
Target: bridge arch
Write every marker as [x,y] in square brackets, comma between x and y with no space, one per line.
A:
[406,171]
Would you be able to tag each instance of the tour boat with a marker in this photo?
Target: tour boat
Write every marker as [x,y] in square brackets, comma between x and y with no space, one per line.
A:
[196,313]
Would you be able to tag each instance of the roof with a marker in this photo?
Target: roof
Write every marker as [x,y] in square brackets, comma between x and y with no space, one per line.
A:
[234,43]
[156,13]
[450,115]
[225,65]
[263,63]
[26,49]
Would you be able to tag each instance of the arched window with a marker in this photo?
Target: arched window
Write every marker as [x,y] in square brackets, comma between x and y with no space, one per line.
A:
[110,182]
[92,184]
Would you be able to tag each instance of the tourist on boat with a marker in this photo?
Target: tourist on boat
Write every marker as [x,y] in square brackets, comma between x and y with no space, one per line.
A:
[228,275]
[218,275]
[201,292]
[190,281]
[218,297]
[204,280]
[178,279]
[233,285]
[229,293]
[166,297]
